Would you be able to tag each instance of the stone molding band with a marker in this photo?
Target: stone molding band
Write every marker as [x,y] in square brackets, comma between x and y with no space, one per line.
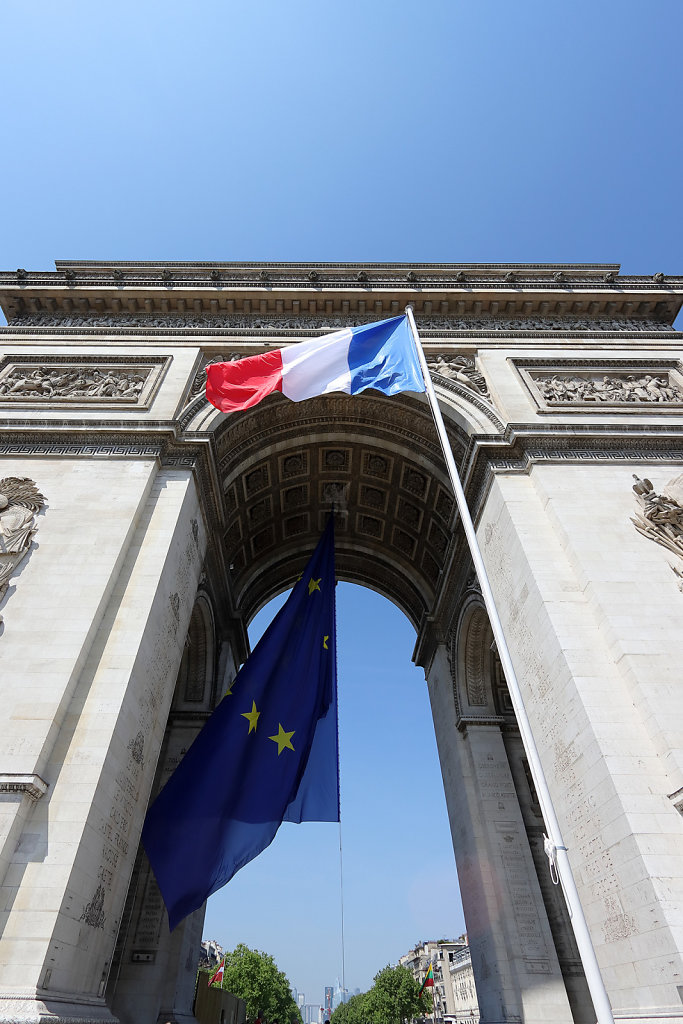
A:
[268,326]
[33,785]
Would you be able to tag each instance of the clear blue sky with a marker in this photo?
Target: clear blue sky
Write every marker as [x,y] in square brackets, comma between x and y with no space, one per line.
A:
[363,130]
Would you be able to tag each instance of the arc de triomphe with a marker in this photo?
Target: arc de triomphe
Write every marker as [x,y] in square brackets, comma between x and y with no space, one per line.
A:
[140,530]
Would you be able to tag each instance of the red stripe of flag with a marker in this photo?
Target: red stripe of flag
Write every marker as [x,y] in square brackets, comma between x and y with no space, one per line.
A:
[232,387]
[218,976]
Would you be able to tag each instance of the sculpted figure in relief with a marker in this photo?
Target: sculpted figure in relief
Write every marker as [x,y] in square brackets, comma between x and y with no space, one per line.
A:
[618,388]
[467,322]
[661,518]
[460,368]
[20,502]
[72,383]
[199,382]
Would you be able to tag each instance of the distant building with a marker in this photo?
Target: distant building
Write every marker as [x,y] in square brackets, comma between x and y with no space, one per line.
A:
[329,1001]
[299,999]
[210,953]
[341,995]
[464,989]
[311,1013]
[443,955]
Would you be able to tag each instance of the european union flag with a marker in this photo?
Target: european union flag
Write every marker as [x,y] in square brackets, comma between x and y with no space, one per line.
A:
[268,754]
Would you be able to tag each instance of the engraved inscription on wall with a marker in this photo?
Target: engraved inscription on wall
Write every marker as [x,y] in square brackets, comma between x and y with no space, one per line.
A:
[80,381]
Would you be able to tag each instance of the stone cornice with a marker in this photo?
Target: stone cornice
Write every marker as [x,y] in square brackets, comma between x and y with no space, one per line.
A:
[32,785]
[371,290]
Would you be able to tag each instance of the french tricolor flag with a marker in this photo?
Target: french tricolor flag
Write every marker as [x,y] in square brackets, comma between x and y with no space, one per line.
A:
[380,356]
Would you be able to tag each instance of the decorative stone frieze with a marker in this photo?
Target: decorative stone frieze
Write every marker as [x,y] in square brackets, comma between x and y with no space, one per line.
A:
[275,324]
[617,388]
[20,503]
[87,381]
[610,385]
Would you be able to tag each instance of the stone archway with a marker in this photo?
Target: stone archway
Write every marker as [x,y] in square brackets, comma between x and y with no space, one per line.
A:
[378,464]
[152,498]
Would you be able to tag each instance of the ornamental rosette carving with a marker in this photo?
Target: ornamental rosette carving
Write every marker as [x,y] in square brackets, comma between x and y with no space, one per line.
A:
[20,503]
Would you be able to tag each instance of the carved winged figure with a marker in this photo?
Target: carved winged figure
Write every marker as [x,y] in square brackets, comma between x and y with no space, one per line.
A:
[20,503]
[460,368]
[661,517]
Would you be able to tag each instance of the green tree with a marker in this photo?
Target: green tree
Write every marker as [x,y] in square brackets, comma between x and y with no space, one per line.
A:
[353,1011]
[253,976]
[392,999]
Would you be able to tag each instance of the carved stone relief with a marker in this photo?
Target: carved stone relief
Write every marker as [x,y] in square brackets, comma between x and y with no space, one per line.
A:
[20,503]
[93,912]
[79,381]
[488,324]
[610,385]
[199,382]
[617,388]
[460,368]
[477,661]
[661,517]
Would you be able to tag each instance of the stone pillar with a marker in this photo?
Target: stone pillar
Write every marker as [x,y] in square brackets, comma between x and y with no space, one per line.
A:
[96,626]
[155,970]
[594,621]
[553,898]
[513,956]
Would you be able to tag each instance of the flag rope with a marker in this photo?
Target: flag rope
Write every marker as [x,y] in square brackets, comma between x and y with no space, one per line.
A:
[596,985]
[341,896]
[339,804]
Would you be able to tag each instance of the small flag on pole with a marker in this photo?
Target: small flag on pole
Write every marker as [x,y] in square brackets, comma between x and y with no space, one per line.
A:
[218,976]
[428,982]
[381,355]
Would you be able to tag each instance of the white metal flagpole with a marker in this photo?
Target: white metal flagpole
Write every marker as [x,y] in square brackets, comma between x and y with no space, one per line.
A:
[555,849]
